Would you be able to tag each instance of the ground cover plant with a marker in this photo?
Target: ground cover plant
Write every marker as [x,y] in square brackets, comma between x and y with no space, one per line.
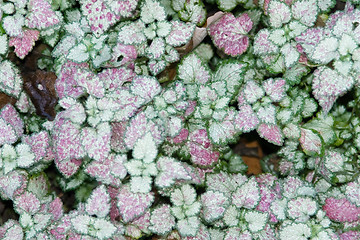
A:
[130,110]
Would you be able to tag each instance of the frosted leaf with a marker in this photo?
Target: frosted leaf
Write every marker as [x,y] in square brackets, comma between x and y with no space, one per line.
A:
[325,5]
[224,182]
[81,223]
[152,11]
[301,208]
[145,149]
[221,132]
[3,44]
[192,11]
[79,53]
[9,158]
[271,133]
[310,142]
[27,203]
[227,5]
[185,195]
[180,33]
[24,44]
[343,67]
[170,170]
[8,134]
[138,127]
[231,216]
[278,208]
[10,79]
[98,203]
[157,223]
[192,70]
[256,220]
[296,28]
[97,142]
[132,33]
[326,50]
[40,15]
[247,195]
[132,205]
[201,149]
[278,37]
[252,92]
[188,226]
[237,233]
[327,85]
[13,25]
[275,88]
[214,205]
[99,16]
[294,74]
[279,13]
[145,87]
[347,45]
[290,53]
[156,66]
[305,11]
[295,231]
[229,33]
[267,114]
[246,120]
[140,184]
[102,229]
[25,156]
[231,73]
[156,49]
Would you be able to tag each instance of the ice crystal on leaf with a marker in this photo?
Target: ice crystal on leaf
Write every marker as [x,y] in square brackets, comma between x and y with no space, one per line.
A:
[247,195]
[24,44]
[214,205]
[341,210]
[98,203]
[170,170]
[229,30]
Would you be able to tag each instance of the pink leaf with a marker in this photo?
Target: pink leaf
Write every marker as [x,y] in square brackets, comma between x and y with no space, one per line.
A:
[11,230]
[201,149]
[114,78]
[246,120]
[169,171]
[123,8]
[24,44]
[146,87]
[157,223]
[310,141]
[271,133]
[39,143]
[327,85]
[275,89]
[91,82]
[66,140]
[99,202]
[7,133]
[10,79]
[341,210]
[66,84]
[214,205]
[137,129]
[117,142]
[110,171]
[68,167]
[12,184]
[127,54]
[97,142]
[247,195]
[98,14]
[262,44]
[132,205]
[56,209]
[180,33]
[12,117]
[27,202]
[41,15]
[229,33]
